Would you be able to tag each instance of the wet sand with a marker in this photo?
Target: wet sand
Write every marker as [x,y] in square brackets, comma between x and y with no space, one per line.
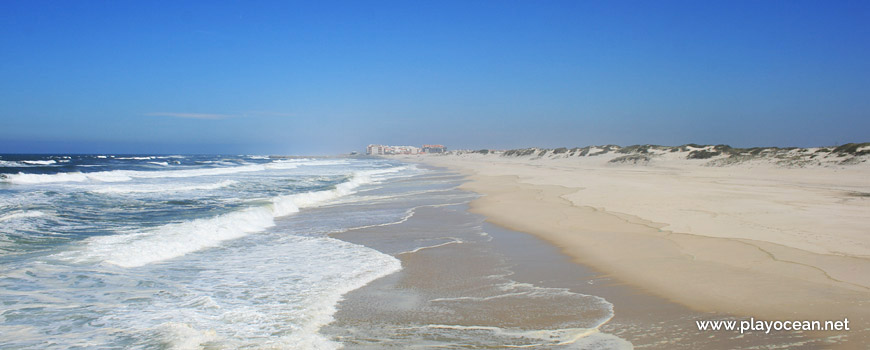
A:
[728,274]
[484,286]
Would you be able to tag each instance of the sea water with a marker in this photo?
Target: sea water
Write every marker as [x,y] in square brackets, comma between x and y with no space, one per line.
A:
[237,252]
[108,251]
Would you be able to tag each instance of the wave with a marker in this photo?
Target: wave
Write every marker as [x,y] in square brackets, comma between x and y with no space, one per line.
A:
[135,158]
[39,162]
[127,175]
[21,215]
[304,279]
[25,163]
[178,239]
[165,188]
[11,164]
[102,176]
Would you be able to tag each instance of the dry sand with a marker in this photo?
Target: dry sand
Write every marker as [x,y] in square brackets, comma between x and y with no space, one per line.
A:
[754,239]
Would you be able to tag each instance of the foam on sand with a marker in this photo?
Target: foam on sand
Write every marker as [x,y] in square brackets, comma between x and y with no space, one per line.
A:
[566,338]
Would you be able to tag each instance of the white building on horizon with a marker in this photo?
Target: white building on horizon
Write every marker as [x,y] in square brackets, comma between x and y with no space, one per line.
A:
[375,150]
[384,150]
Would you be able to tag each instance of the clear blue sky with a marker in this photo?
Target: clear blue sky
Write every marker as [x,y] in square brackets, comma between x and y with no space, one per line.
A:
[325,77]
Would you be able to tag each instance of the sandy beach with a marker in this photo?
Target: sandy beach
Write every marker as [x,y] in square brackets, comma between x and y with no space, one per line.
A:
[466,283]
[755,239]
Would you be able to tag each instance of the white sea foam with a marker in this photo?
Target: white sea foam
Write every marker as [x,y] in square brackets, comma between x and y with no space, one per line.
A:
[293,290]
[39,162]
[134,158]
[452,240]
[21,215]
[588,312]
[585,335]
[177,239]
[127,175]
[11,164]
[157,188]
[182,336]
[282,165]
[25,163]
[566,338]
[103,176]
[159,163]
[408,214]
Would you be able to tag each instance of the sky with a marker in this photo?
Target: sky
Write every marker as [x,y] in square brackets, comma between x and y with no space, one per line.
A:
[329,77]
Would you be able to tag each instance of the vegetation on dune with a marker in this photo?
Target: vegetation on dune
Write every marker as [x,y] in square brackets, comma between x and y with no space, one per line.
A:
[717,155]
[723,148]
[702,154]
[631,159]
[685,148]
[635,149]
[520,152]
[853,149]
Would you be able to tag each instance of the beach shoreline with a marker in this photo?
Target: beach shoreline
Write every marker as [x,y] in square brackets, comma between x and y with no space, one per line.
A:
[808,279]
[468,283]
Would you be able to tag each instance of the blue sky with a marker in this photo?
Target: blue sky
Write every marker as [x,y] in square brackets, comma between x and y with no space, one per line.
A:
[330,76]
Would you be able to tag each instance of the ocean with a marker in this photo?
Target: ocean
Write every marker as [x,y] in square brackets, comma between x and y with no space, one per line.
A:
[241,252]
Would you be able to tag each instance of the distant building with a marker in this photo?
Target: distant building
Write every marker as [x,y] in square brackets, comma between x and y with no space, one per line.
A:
[434,149]
[382,150]
[375,150]
[404,150]
[378,150]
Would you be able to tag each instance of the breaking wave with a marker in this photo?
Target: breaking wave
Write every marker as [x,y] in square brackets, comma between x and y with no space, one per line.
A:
[177,239]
